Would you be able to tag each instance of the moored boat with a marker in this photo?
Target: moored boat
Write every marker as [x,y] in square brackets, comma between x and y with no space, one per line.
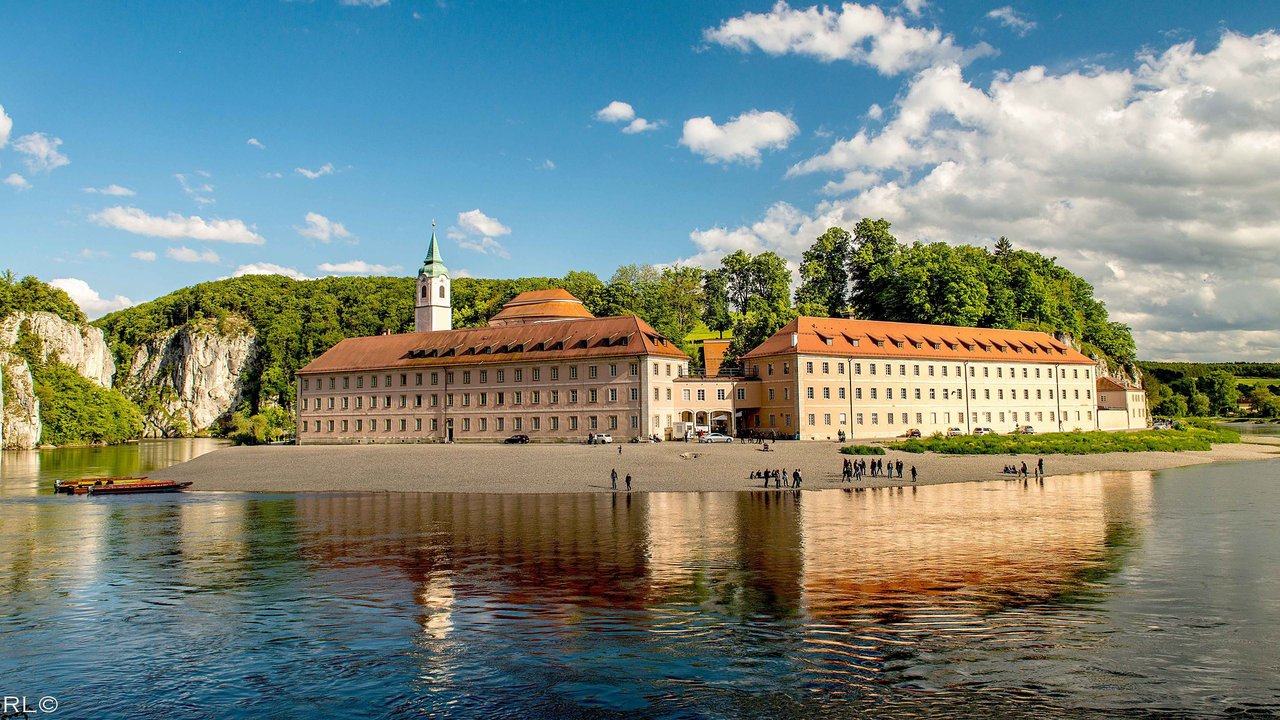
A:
[82,485]
[138,487]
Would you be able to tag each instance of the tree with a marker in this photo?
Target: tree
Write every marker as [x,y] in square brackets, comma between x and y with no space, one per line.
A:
[1003,249]
[824,275]
[1198,404]
[680,290]
[1220,388]
[715,292]
[872,266]
[1265,403]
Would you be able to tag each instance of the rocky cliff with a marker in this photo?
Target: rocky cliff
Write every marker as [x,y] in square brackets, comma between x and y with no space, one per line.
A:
[20,425]
[80,346]
[187,378]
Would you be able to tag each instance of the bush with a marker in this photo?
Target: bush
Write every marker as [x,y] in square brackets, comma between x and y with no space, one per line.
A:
[862,450]
[74,411]
[1182,438]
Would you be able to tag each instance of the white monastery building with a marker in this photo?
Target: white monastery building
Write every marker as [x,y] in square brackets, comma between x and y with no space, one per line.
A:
[547,368]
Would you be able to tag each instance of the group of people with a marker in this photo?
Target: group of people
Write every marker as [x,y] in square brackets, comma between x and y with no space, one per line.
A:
[1021,471]
[613,479]
[856,469]
[779,477]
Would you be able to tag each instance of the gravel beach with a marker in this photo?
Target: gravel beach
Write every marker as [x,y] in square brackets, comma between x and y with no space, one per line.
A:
[564,468]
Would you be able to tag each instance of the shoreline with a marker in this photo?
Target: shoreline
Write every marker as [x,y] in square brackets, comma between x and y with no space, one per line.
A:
[662,467]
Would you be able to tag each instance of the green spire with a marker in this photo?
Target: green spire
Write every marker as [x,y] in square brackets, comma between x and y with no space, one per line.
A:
[433,265]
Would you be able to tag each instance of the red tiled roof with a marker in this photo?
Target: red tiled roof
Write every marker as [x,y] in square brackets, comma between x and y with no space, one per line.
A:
[570,339]
[876,339]
[1106,384]
[553,304]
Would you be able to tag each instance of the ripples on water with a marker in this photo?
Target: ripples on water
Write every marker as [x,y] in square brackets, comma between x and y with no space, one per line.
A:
[1099,596]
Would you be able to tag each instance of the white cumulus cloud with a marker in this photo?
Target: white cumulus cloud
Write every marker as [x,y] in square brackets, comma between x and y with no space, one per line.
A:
[326,169]
[1156,181]
[186,254]
[256,143]
[741,139]
[41,152]
[117,190]
[17,181]
[143,255]
[321,228]
[268,269]
[357,267]
[476,231]
[6,126]
[1012,19]
[621,112]
[89,300]
[861,34]
[366,3]
[175,226]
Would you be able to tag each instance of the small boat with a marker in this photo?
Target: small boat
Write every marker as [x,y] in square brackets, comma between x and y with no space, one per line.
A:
[71,487]
[138,487]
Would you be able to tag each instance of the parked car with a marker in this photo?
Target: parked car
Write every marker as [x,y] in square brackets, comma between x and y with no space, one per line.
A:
[954,432]
[716,438]
[912,433]
[1027,430]
[600,438]
[517,440]
[983,431]
[1162,424]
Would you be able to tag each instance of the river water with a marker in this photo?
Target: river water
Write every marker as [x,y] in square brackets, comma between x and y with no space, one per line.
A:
[1101,595]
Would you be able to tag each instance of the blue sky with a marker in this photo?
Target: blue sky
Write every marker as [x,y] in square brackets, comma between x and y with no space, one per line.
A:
[370,120]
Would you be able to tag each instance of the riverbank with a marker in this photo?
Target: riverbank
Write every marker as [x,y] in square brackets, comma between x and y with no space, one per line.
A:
[582,468]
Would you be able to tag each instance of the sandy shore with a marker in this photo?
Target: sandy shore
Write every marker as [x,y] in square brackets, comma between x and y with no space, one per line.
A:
[581,468]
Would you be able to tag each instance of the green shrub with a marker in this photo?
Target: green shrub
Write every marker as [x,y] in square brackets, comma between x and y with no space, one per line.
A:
[74,411]
[1083,443]
[862,450]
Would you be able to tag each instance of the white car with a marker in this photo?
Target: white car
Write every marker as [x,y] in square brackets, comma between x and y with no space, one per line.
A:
[954,432]
[716,438]
[601,438]
[983,431]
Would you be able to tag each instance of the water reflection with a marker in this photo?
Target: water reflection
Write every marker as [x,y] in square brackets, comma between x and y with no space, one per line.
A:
[27,472]
[992,598]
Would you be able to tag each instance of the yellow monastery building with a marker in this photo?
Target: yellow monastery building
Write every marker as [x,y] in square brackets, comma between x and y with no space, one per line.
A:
[547,368]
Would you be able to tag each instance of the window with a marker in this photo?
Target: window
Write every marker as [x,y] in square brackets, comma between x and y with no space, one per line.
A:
[555,397]
[875,418]
[930,371]
[873,393]
[344,403]
[720,394]
[573,422]
[555,423]
[857,368]
[591,372]
[535,423]
[613,395]
[417,401]
[858,418]
[613,370]
[497,423]
[857,393]
[839,368]
[826,368]
[573,372]
[386,424]
[306,383]
[435,379]
[501,376]
[742,394]
[826,393]
[535,397]
[933,394]
[843,419]
[555,375]
[573,396]
[635,394]
[841,392]
[344,426]
[535,374]
[417,380]
[501,399]
[770,368]
[517,397]
[686,392]
[808,393]
[404,424]
[702,394]
[634,370]
[517,423]
[518,375]
[330,426]
[592,396]
[331,383]
[330,403]
[484,399]
[808,367]
[872,368]
[917,393]
[635,422]
[593,422]
[346,382]
[466,377]
[404,379]
[786,393]
[812,419]
[448,400]
[657,370]
[388,381]
[826,418]
[888,393]
[466,424]
[770,393]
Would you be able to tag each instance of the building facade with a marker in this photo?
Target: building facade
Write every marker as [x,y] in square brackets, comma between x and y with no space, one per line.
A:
[1121,405]
[544,368]
[821,376]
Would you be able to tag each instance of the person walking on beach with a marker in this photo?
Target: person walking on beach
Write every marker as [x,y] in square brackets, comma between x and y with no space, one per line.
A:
[786,479]
[777,480]
[899,469]
[913,473]
[613,479]
[1023,470]
[628,482]
[1040,468]
[795,479]
[619,449]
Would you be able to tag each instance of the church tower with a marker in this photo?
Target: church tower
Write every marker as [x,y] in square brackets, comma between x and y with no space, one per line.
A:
[433,307]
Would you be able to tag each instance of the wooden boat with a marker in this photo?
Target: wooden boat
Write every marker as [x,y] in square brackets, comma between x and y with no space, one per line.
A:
[71,486]
[138,487]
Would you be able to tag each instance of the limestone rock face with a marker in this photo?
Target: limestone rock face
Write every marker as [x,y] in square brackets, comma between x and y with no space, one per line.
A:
[191,377]
[80,346]
[20,426]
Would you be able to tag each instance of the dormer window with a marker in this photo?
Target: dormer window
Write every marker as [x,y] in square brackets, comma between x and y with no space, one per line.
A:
[899,344]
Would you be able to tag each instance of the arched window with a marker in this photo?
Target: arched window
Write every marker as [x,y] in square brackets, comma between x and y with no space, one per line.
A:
[442,291]
[424,291]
